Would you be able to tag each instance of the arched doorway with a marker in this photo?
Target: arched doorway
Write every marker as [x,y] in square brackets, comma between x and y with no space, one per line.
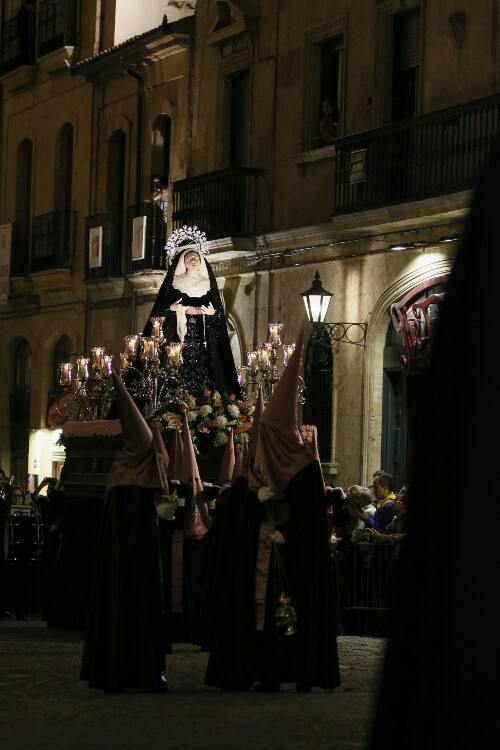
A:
[403,388]
[318,380]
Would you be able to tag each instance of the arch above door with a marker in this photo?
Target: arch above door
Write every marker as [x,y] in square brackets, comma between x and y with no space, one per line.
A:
[374,357]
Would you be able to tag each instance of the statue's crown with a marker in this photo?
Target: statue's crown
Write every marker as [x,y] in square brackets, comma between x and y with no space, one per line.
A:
[183,237]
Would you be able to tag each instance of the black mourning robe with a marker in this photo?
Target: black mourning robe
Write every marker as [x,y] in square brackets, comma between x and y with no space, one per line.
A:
[239,655]
[440,682]
[126,636]
[210,365]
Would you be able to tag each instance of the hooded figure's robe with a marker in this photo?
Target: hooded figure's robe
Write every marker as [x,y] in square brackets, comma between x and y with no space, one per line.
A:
[440,681]
[239,654]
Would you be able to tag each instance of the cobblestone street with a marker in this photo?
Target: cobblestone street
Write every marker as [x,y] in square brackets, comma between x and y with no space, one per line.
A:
[43,705]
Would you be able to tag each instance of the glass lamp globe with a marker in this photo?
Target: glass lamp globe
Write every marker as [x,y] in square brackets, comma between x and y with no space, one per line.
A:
[316,301]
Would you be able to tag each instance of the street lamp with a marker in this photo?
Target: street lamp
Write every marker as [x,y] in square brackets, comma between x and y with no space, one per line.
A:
[317,301]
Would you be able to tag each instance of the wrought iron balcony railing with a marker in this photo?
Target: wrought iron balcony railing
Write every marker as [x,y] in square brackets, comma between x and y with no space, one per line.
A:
[102,246]
[57,25]
[222,204]
[17,41]
[435,154]
[20,249]
[52,241]
[151,237]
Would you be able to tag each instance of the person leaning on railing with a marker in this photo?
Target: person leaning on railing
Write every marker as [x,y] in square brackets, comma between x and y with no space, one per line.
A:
[396,529]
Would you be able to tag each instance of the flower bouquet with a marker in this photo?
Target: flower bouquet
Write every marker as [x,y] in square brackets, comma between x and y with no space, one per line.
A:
[210,418]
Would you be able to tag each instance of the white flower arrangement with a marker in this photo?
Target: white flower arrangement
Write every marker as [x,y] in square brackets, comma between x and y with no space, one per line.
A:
[211,418]
[220,438]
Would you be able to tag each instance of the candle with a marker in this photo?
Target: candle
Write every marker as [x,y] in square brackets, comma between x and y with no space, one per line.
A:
[157,326]
[263,359]
[242,375]
[65,369]
[174,354]
[288,350]
[82,368]
[107,360]
[124,362]
[97,353]
[131,344]
[148,347]
[252,360]
[274,333]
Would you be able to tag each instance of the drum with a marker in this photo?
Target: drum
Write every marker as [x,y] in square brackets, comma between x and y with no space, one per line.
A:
[23,536]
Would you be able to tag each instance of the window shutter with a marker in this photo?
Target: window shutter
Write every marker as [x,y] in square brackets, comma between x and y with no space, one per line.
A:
[407,40]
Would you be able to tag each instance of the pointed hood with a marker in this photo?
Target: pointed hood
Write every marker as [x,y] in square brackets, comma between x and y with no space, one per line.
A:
[314,451]
[252,446]
[238,462]
[135,462]
[280,452]
[228,462]
[197,520]
[162,457]
[176,458]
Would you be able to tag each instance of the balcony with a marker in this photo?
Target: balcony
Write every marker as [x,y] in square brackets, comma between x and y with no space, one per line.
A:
[57,25]
[154,242]
[51,241]
[435,154]
[19,261]
[222,204]
[17,41]
[102,248]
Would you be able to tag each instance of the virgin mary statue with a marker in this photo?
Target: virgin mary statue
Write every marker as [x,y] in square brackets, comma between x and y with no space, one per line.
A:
[190,301]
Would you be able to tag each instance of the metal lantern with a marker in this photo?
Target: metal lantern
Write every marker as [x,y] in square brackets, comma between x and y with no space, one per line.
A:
[316,301]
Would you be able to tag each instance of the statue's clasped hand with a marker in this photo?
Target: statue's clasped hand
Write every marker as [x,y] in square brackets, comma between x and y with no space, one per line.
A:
[208,309]
[173,306]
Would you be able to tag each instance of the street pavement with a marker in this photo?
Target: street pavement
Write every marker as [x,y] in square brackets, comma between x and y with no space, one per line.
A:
[43,705]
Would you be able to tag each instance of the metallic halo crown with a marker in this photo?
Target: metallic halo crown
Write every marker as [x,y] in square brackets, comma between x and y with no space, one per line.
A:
[185,234]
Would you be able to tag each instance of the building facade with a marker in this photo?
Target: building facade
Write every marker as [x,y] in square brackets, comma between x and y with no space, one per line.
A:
[340,137]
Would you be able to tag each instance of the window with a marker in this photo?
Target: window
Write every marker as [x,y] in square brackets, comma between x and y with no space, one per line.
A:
[406,46]
[64,169]
[21,240]
[22,366]
[326,104]
[237,111]
[116,190]
[160,149]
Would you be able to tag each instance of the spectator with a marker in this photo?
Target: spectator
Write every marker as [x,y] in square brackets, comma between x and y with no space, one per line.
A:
[18,496]
[329,123]
[396,529]
[383,485]
[344,515]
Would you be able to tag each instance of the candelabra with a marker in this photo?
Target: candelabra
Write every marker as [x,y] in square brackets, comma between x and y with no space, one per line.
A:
[90,381]
[151,369]
[262,364]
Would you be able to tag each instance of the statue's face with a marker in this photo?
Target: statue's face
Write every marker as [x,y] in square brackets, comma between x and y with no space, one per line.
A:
[192,261]
[156,183]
